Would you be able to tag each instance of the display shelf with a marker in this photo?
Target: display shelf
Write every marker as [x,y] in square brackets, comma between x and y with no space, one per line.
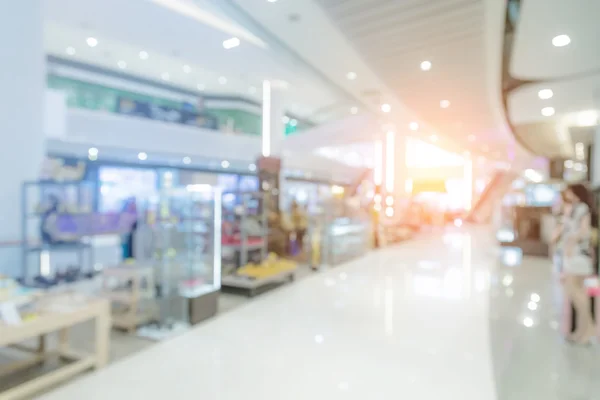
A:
[56,313]
[188,256]
[252,287]
[58,217]
[257,278]
[132,287]
[246,229]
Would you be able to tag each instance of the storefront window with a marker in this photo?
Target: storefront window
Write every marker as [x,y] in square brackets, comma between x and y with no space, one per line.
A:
[120,184]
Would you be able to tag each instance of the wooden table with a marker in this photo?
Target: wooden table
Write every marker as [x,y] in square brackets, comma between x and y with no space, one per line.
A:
[51,321]
[139,297]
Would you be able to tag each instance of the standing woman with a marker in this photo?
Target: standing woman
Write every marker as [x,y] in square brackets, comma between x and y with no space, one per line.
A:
[561,212]
[578,259]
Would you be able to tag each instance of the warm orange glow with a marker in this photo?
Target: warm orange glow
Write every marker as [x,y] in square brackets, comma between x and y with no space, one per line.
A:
[378,168]
[408,186]
[420,154]
[389,161]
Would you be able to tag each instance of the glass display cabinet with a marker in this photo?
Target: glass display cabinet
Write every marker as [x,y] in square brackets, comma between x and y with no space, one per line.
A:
[186,227]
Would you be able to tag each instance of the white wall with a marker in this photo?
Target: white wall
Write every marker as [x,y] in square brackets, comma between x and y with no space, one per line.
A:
[112,130]
[122,137]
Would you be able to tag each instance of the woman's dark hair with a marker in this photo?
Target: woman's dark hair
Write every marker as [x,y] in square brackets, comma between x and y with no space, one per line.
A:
[585,196]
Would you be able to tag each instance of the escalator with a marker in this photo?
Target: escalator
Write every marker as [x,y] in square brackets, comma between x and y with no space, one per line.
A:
[483,209]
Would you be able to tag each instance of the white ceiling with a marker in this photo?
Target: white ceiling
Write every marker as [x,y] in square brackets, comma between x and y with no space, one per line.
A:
[384,43]
[571,72]
[534,56]
[174,40]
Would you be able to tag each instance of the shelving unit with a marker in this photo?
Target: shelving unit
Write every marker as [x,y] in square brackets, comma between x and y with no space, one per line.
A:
[132,288]
[75,199]
[55,313]
[251,226]
[187,264]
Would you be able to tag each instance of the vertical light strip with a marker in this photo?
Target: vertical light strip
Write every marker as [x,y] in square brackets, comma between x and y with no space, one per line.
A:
[468,183]
[378,169]
[390,167]
[266,119]
[218,195]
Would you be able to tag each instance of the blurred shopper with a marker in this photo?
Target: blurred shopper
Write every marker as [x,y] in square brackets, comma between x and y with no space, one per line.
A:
[300,224]
[577,258]
[561,211]
[130,210]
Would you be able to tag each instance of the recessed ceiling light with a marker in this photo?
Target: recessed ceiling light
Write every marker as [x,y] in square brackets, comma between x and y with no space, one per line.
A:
[386,108]
[187,160]
[545,94]
[222,80]
[444,103]
[71,51]
[225,164]
[433,138]
[252,89]
[252,167]
[285,119]
[351,75]
[187,69]
[414,126]
[200,87]
[92,151]
[144,55]
[92,41]
[122,64]
[142,156]
[472,138]
[354,110]
[272,1]
[426,65]
[231,43]
[293,122]
[561,40]
[548,111]
[165,76]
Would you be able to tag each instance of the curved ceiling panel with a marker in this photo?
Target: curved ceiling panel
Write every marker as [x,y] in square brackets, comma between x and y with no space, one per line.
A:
[534,55]
[557,87]
[395,38]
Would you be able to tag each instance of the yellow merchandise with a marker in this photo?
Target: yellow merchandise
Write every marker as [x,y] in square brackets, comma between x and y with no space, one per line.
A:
[271,266]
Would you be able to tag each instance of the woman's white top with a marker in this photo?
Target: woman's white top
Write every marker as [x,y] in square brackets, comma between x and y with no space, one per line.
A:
[579,261]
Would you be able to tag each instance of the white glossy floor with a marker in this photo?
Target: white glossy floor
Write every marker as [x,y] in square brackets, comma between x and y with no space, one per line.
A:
[435,318]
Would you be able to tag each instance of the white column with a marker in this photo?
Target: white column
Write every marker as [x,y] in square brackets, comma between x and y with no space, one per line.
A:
[22,88]
[394,170]
[273,111]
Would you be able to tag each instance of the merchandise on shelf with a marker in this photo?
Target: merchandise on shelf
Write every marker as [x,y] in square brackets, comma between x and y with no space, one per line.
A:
[271,266]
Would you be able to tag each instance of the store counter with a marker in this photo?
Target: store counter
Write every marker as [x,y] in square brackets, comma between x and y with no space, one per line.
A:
[346,239]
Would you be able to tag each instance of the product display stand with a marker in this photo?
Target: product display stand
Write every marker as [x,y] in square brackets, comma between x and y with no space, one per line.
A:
[252,229]
[188,259]
[73,198]
[255,277]
[55,313]
[131,289]
[253,287]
